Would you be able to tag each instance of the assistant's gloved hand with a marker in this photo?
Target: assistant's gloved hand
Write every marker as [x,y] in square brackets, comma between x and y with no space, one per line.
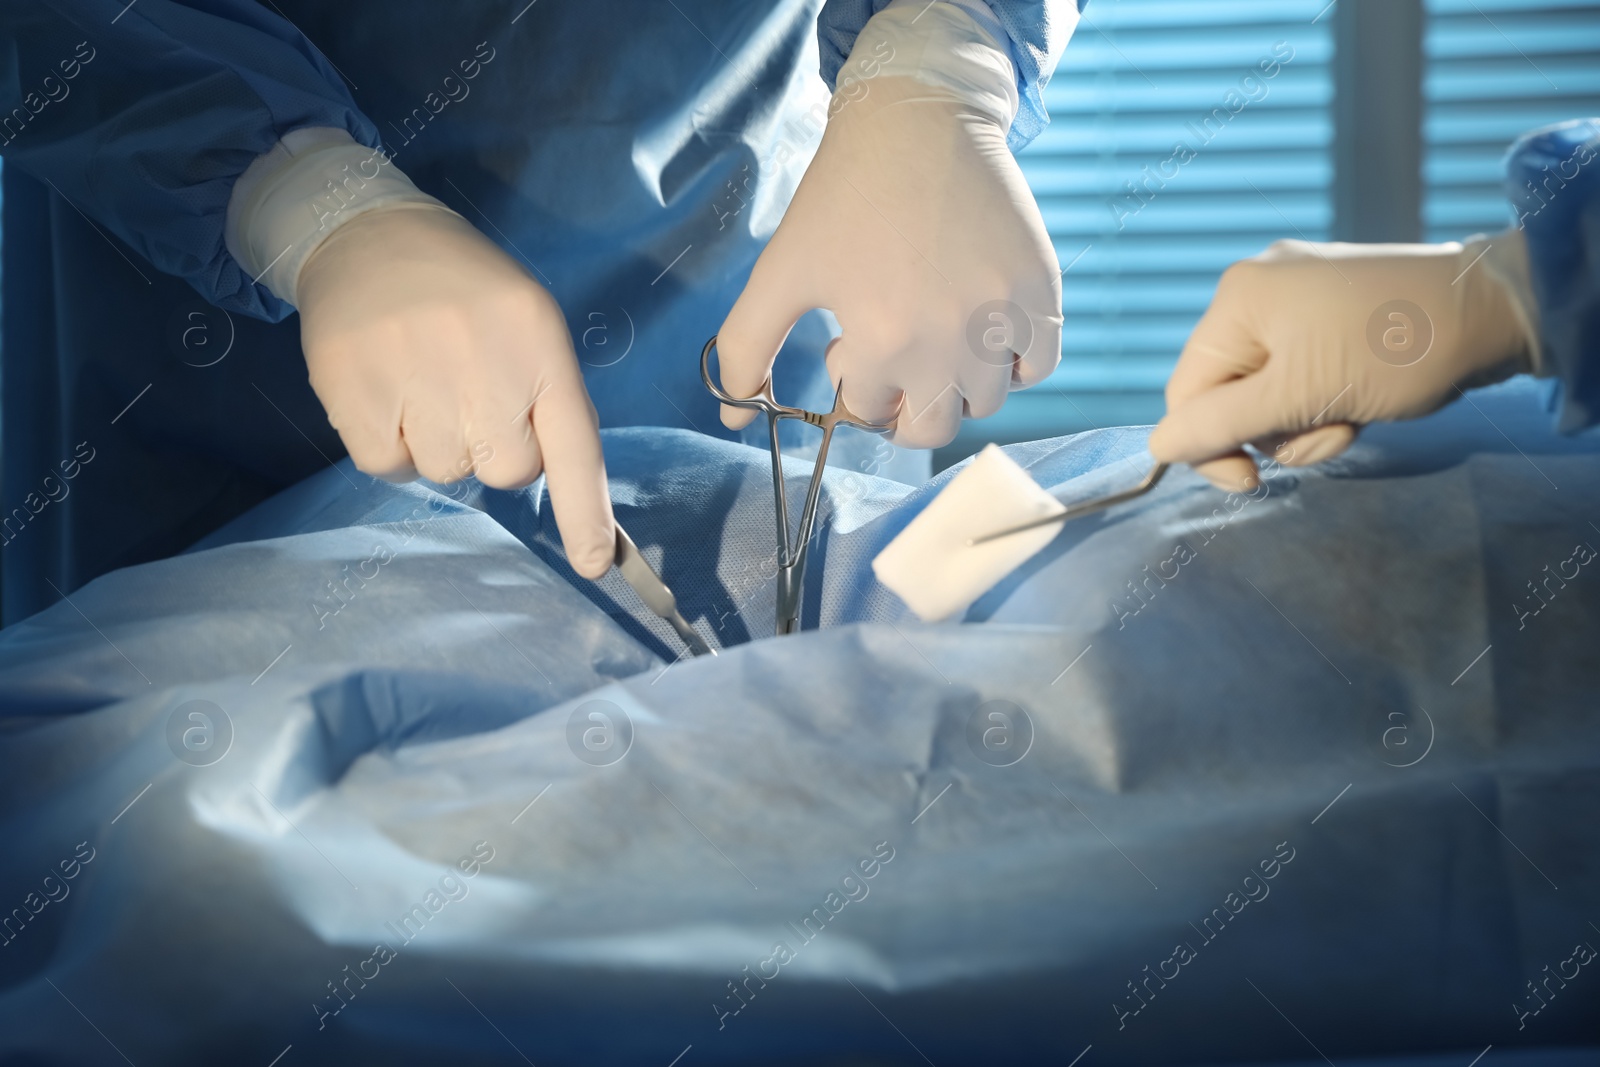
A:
[914,226]
[432,351]
[1305,343]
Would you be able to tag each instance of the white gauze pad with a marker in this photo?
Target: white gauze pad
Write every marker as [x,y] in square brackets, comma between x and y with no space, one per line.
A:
[930,565]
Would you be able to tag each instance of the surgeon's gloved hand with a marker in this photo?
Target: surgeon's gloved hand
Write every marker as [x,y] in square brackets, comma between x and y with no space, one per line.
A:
[1306,343]
[433,351]
[914,226]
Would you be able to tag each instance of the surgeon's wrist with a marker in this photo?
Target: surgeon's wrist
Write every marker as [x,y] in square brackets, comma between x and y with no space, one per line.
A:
[954,45]
[298,193]
[1504,257]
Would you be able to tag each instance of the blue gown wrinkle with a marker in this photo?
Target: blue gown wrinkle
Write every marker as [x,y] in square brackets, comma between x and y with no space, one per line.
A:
[608,834]
[168,106]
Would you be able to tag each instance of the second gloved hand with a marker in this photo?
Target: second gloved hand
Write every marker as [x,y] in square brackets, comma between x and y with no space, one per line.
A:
[1306,343]
[915,227]
[434,352]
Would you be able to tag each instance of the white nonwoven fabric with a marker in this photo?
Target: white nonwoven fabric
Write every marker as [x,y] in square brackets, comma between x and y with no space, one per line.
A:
[932,567]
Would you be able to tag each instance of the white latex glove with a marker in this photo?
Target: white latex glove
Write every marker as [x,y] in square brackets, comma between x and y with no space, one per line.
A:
[436,353]
[1306,343]
[432,351]
[914,226]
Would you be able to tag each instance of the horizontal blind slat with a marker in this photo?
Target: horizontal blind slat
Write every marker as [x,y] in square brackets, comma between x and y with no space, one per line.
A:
[1184,136]
[1495,70]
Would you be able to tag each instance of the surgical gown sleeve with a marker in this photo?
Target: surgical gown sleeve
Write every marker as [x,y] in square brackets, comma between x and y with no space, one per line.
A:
[1038,32]
[1553,177]
[142,115]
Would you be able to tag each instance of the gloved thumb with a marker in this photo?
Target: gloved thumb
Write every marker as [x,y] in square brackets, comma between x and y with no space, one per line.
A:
[755,329]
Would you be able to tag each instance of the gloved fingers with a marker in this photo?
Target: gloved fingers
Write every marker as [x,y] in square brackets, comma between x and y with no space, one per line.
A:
[866,394]
[748,342]
[505,451]
[1223,346]
[365,414]
[1012,335]
[1312,446]
[432,431]
[1233,473]
[985,390]
[928,421]
[1036,293]
[378,452]
[1236,472]
[1219,420]
[1043,354]
[568,434]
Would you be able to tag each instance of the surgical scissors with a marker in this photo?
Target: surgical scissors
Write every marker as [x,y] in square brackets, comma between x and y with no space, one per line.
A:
[791,554]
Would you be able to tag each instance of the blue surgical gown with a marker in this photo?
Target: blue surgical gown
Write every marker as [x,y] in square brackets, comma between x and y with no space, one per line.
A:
[635,157]
[1553,180]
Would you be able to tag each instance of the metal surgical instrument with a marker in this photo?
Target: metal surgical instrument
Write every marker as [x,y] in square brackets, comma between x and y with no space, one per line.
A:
[654,592]
[1087,507]
[791,554]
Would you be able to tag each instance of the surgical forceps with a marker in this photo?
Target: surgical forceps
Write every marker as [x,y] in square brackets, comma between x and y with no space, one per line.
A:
[791,554]
[1086,507]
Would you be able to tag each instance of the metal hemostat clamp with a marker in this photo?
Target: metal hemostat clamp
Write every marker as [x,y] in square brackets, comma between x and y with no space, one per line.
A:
[1087,507]
[791,554]
[654,592]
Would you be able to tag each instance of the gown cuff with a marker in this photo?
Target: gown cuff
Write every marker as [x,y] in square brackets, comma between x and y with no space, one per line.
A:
[942,43]
[1505,257]
[297,193]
